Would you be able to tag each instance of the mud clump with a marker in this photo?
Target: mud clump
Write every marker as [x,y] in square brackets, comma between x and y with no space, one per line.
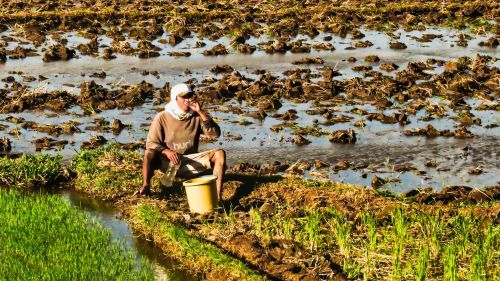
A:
[5,145]
[343,165]
[117,126]
[217,50]
[300,140]
[3,56]
[372,58]
[269,104]
[94,142]
[52,130]
[221,69]
[431,132]
[56,101]
[388,67]
[276,46]
[456,194]
[316,60]
[47,143]
[94,96]
[475,171]
[492,42]
[145,54]
[397,45]
[360,68]
[101,75]
[179,54]
[107,54]
[245,168]
[343,136]
[174,39]
[58,52]
[363,44]
[246,49]
[21,53]
[90,48]
[259,115]
[377,182]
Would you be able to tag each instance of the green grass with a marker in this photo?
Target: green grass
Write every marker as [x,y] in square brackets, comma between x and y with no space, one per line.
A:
[201,256]
[30,170]
[106,170]
[44,238]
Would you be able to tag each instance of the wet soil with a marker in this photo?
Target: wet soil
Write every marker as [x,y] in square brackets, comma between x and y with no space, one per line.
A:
[247,189]
[311,86]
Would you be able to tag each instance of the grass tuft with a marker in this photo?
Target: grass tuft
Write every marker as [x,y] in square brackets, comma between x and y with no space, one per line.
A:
[30,170]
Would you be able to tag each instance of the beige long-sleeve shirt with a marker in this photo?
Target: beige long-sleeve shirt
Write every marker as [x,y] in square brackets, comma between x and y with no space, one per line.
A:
[180,136]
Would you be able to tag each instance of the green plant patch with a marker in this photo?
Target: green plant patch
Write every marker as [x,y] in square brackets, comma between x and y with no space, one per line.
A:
[44,238]
[202,257]
[107,171]
[30,170]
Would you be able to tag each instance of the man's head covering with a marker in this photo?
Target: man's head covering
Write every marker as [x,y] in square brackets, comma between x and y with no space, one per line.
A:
[173,108]
[180,90]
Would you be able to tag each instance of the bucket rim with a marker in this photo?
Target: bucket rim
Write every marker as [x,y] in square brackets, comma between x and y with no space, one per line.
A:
[200,180]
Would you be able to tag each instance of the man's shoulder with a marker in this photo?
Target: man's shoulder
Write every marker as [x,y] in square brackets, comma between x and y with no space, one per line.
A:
[162,115]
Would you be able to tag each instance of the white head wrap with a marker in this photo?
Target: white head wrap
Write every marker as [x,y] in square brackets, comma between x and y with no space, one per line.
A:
[173,108]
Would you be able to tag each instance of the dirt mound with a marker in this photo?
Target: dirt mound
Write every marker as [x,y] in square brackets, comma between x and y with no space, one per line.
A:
[455,194]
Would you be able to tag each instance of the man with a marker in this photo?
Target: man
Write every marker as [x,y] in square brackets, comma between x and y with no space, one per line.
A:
[174,135]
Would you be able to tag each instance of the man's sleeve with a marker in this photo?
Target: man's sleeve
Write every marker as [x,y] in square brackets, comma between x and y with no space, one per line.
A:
[156,136]
[210,128]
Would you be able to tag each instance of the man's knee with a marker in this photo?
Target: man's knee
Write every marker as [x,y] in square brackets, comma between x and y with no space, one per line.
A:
[150,154]
[152,159]
[220,155]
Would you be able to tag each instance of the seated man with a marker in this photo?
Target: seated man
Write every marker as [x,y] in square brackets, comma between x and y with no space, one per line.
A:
[175,134]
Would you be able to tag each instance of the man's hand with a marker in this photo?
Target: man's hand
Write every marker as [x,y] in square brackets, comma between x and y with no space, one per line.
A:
[194,105]
[172,156]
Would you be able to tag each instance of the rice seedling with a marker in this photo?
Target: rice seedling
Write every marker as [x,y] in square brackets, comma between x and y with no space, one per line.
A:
[371,242]
[312,228]
[491,242]
[483,255]
[450,262]
[342,231]
[44,238]
[478,263]
[463,225]
[400,226]
[257,220]
[229,216]
[433,231]
[288,228]
[422,264]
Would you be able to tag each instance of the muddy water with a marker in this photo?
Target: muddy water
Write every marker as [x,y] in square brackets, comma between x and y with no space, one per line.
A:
[164,267]
[382,147]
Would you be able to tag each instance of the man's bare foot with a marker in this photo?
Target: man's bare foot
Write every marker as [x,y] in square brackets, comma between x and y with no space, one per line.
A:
[145,190]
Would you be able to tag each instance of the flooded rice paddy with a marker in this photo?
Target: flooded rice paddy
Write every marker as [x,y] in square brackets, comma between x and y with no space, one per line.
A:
[390,95]
[381,147]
